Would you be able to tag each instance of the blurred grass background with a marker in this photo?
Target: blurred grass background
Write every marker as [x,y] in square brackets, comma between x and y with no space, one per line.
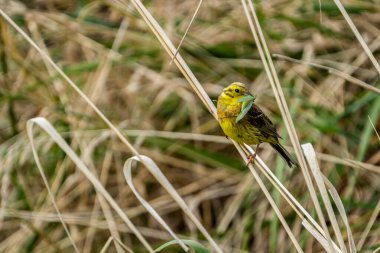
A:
[151,102]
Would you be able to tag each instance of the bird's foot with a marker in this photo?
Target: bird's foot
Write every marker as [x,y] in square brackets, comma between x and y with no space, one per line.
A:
[251,159]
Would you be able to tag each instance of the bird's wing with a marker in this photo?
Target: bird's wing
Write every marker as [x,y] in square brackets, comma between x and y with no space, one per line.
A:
[258,119]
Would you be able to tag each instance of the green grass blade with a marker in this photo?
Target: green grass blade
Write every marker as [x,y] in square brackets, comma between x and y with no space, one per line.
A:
[244,111]
[199,248]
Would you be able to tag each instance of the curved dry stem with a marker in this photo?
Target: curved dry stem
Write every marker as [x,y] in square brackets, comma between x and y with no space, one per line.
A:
[319,178]
[48,128]
[339,204]
[160,177]
[44,125]
[168,46]
[127,170]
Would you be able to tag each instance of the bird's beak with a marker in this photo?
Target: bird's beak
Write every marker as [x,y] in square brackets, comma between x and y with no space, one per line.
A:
[225,89]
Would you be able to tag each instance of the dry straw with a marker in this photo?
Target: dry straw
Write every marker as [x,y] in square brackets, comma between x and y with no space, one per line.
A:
[187,30]
[43,123]
[332,71]
[321,233]
[376,210]
[48,128]
[280,98]
[167,44]
[153,168]
[358,35]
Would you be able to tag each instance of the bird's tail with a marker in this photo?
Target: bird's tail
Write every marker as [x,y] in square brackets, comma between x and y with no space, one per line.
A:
[285,154]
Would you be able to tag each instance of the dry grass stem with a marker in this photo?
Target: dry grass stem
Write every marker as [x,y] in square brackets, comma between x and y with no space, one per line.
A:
[357,34]
[158,174]
[274,81]
[195,187]
[333,71]
[106,245]
[188,74]
[187,30]
[318,177]
[46,126]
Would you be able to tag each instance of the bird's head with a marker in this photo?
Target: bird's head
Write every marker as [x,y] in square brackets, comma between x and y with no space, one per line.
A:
[235,90]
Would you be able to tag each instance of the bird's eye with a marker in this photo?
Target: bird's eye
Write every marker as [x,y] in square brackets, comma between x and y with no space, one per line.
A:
[237,91]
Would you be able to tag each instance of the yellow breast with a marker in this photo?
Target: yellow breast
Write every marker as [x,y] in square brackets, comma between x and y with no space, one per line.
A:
[241,132]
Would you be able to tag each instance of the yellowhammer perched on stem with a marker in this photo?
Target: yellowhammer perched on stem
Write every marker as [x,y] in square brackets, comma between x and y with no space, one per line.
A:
[244,122]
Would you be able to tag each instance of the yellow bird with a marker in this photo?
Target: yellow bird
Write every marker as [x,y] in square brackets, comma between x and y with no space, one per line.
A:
[244,122]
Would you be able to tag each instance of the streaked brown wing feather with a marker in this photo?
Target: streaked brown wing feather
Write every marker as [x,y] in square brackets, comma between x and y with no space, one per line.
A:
[258,119]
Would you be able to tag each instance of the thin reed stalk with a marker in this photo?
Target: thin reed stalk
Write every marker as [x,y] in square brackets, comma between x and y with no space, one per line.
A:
[181,64]
[357,35]
[110,125]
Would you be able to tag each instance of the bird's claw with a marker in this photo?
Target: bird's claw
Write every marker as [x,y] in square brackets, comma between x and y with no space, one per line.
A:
[251,159]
